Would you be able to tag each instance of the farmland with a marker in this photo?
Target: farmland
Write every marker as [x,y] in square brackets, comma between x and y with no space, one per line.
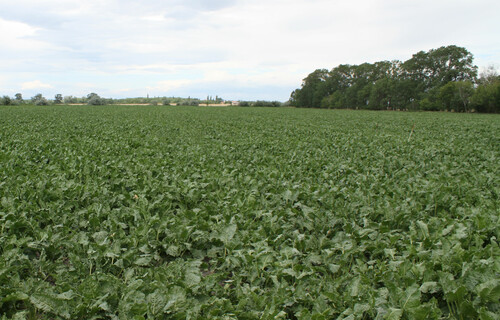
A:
[123,212]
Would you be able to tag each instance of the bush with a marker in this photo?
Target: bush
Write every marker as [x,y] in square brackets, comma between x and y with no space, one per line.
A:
[94,99]
[42,102]
[39,100]
[427,105]
[5,100]
[189,102]
[58,99]
[486,98]
[19,98]
[263,103]
[70,99]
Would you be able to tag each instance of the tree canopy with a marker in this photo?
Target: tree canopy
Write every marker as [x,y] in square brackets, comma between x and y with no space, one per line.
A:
[440,79]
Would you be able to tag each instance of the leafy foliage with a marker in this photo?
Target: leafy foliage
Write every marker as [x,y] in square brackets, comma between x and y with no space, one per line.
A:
[95,100]
[440,79]
[246,213]
[39,100]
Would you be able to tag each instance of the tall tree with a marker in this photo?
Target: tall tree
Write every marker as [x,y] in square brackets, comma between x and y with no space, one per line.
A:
[58,98]
[95,99]
[307,95]
[440,66]
[486,97]
[39,100]
[392,84]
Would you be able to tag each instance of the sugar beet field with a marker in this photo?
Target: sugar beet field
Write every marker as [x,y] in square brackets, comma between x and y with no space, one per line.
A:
[122,212]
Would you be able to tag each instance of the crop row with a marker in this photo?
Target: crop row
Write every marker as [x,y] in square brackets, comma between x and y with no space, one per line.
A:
[235,213]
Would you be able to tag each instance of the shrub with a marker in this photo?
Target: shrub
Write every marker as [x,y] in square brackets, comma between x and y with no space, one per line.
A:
[39,100]
[94,99]
[5,100]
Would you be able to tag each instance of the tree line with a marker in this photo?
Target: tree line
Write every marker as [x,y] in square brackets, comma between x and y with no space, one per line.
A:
[40,100]
[95,99]
[443,79]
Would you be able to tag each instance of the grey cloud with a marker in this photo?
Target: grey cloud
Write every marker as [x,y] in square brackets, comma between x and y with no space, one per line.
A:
[102,38]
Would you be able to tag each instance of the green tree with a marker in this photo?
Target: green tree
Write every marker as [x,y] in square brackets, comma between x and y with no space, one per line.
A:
[427,72]
[70,99]
[456,95]
[39,100]
[19,97]
[427,105]
[393,84]
[58,99]
[486,97]
[95,100]
[440,66]
[295,98]
[313,90]
[452,63]
[381,94]
[447,96]
[465,90]
[334,101]
[5,100]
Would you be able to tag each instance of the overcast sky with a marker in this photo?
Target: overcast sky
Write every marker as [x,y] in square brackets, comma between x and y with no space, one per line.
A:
[236,49]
